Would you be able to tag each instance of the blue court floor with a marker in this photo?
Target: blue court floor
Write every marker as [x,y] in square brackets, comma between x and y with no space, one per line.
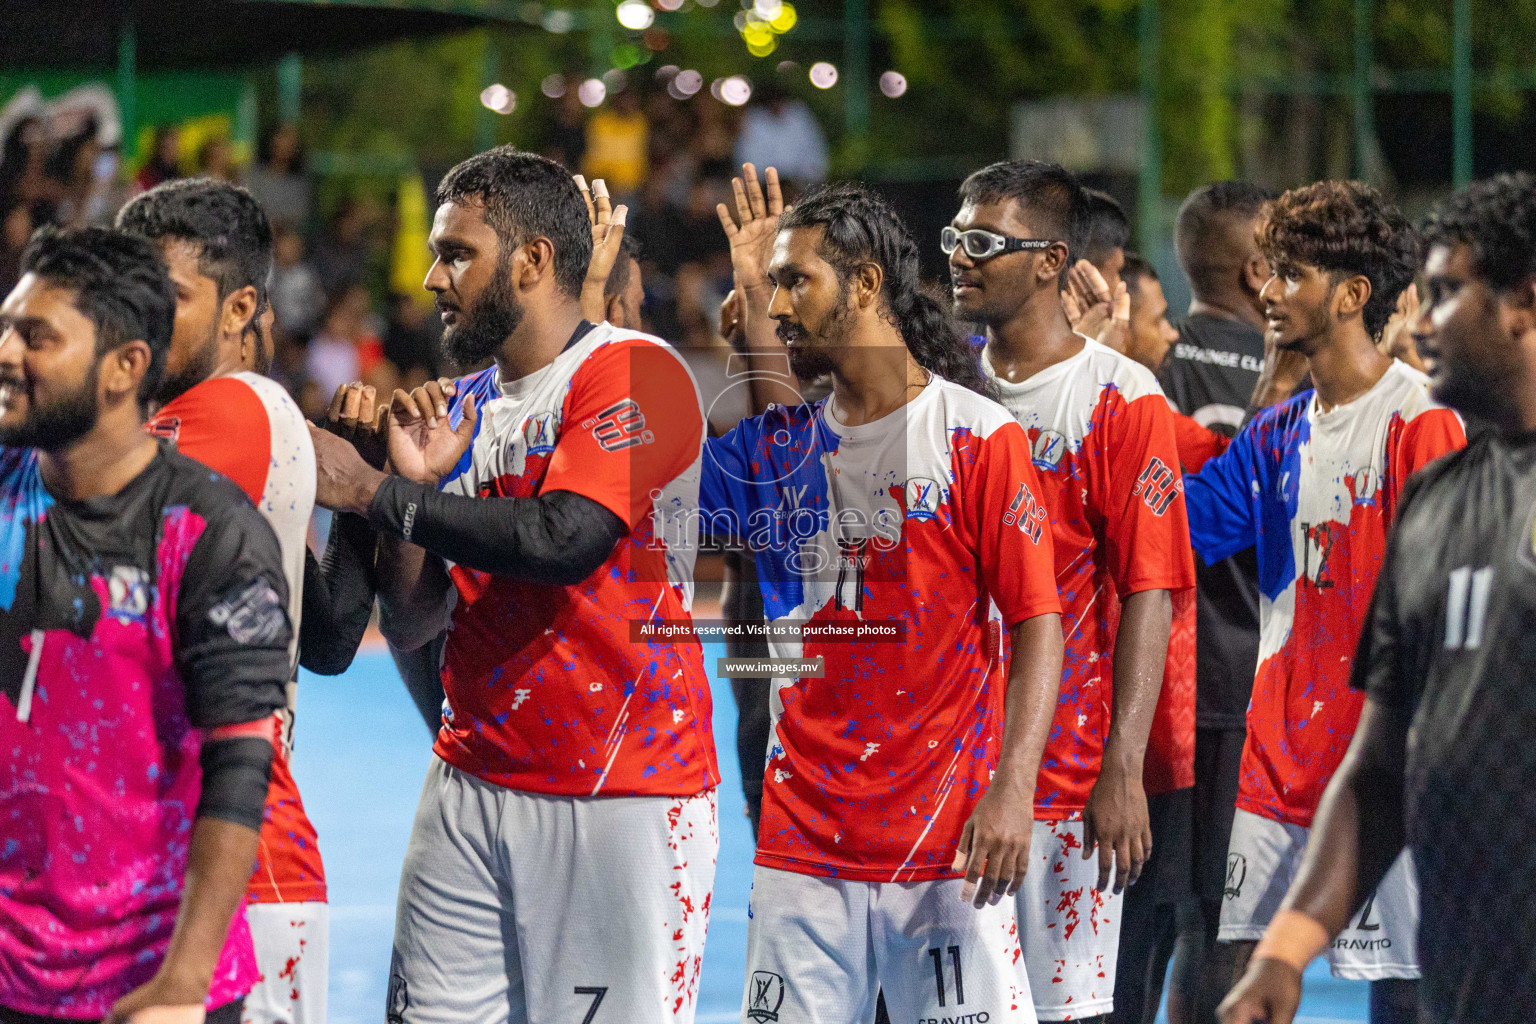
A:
[360,756]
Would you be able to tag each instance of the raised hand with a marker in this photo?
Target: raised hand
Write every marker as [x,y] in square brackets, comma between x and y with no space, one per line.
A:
[1397,337]
[357,416]
[422,447]
[751,231]
[1091,295]
[607,223]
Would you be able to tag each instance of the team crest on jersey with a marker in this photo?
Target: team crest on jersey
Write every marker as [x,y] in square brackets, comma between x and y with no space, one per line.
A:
[540,433]
[128,591]
[1048,449]
[765,994]
[923,497]
[1237,873]
[1363,483]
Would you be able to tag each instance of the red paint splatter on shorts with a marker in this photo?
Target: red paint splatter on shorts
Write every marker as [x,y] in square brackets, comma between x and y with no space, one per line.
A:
[1067,906]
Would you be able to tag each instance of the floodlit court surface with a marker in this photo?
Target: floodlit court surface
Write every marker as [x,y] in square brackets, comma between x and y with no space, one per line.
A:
[360,756]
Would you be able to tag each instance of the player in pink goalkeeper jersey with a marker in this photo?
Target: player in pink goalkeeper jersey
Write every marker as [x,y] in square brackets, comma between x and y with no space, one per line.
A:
[906,497]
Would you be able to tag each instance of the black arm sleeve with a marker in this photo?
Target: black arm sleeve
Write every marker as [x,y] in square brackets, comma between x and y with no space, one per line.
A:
[338,596]
[235,776]
[558,539]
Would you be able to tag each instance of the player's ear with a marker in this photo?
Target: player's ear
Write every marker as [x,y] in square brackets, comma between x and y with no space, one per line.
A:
[123,369]
[1517,310]
[866,282]
[534,261]
[1351,295]
[615,313]
[239,310]
[1053,262]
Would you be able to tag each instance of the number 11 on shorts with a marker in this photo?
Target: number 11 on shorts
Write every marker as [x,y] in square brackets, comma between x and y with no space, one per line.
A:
[938,973]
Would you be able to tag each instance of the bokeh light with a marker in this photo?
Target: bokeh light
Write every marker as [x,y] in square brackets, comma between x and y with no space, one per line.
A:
[592,92]
[559,22]
[498,98]
[823,75]
[667,72]
[786,66]
[627,55]
[657,39]
[762,47]
[688,82]
[669,5]
[553,86]
[785,19]
[768,9]
[635,15]
[893,83]
[735,90]
[707,3]
[615,80]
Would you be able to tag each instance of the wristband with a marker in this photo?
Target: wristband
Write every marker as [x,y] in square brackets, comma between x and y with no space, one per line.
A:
[1292,938]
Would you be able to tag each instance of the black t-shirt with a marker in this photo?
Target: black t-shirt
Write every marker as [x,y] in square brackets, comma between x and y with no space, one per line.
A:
[178,550]
[1451,642]
[1210,375]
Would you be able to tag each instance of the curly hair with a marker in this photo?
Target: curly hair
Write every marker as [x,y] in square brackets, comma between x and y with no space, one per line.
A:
[861,227]
[1496,218]
[1344,228]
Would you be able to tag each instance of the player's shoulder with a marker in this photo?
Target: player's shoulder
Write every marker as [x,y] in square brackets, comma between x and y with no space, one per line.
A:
[1453,476]
[187,482]
[1282,415]
[960,408]
[1408,391]
[269,392]
[1111,369]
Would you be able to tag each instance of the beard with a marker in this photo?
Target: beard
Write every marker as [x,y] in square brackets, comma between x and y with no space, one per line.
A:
[483,327]
[198,369]
[57,425]
[811,361]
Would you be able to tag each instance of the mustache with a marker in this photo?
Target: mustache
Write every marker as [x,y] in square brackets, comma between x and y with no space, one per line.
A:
[445,306]
[788,332]
[13,380]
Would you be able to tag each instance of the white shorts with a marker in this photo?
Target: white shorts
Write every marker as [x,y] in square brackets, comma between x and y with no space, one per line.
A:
[819,948]
[1069,930]
[292,942]
[1262,860]
[528,909]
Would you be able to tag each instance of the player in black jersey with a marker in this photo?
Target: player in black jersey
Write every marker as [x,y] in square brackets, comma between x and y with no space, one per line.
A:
[1443,760]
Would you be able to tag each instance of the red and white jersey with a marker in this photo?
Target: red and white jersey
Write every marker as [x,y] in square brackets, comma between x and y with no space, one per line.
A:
[1102,438]
[1316,491]
[246,427]
[929,517]
[546,690]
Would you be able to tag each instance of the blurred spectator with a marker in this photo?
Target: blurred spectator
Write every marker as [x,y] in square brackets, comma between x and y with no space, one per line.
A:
[15,230]
[278,181]
[297,298]
[85,174]
[781,131]
[164,161]
[617,145]
[345,349]
[341,258]
[24,175]
[410,342]
[568,135]
[216,159]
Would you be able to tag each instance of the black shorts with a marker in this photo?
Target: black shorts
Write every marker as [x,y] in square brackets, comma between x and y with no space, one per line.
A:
[1166,876]
[1218,757]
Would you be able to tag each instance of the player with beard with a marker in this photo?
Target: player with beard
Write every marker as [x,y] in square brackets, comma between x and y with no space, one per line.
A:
[1442,760]
[539,508]
[144,646]
[217,245]
[1314,482]
[1102,437]
[903,497]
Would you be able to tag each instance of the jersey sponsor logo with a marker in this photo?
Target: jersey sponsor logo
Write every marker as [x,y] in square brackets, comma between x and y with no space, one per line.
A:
[1317,545]
[1466,607]
[1048,449]
[1158,485]
[128,591]
[167,428]
[540,432]
[1026,513]
[765,994]
[255,615]
[923,496]
[1237,873]
[620,426]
